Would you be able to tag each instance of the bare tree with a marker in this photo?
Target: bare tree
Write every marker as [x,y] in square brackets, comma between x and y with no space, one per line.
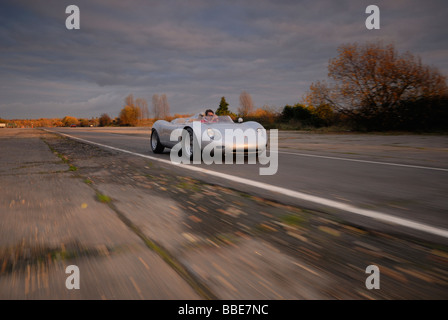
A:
[165,107]
[145,110]
[129,100]
[160,106]
[246,104]
[156,106]
[142,105]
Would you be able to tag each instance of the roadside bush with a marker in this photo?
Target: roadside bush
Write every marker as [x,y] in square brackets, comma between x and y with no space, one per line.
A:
[268,117]
[303,115]
[105,120]
[84,123]
[425,114]
[68,121]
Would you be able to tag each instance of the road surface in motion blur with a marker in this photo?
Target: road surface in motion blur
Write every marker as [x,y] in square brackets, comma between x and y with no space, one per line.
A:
[402,175]
[140,228]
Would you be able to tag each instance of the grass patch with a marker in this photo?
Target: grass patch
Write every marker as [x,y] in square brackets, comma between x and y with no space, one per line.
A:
[245,195]
[226,238]
[103,198]
[293,220]
[59,155]
[88,181]
[62,157]
[188,186]
[72,168]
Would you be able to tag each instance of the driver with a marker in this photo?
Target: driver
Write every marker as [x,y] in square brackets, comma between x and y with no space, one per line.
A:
[210,116]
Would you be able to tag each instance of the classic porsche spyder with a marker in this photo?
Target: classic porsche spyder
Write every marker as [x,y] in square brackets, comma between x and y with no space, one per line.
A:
[209,132]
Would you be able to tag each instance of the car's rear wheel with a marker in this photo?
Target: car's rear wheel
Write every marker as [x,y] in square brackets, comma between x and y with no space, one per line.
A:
[156,146]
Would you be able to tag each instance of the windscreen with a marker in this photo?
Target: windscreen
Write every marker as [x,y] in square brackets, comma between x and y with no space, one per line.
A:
[204,119]
[217,119]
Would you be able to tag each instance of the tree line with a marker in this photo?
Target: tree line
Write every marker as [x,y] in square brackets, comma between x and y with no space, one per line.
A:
[136,111]
[370,87]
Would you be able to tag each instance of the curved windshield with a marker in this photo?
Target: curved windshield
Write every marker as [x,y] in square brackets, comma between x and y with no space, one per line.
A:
[216,119]
[204,119]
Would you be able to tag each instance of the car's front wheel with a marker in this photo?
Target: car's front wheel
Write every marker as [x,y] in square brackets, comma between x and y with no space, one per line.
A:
[156,146]
[187,143]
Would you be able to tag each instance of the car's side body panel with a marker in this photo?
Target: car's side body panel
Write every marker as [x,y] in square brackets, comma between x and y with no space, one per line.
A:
[165,128]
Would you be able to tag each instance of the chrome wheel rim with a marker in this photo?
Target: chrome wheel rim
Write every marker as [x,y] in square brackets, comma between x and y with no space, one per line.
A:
[188,145]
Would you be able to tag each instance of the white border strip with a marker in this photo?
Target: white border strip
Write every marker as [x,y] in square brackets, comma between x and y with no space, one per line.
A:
[364,161]
[291,193]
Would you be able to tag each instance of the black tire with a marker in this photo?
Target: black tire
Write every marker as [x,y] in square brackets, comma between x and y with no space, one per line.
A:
[156,146]
[191,148]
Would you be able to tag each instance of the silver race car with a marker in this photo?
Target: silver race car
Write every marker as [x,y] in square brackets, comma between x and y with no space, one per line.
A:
[208,133]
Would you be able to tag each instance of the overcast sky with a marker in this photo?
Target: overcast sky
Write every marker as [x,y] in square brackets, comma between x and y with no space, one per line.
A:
[193,51]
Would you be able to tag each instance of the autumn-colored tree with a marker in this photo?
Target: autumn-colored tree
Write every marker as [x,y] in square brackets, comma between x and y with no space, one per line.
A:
[105,120]
[246,104]
[373,82]
[131,113]
[57,123]
[265,115]
[324,114]
[128,116]
[84,123]
[68,121]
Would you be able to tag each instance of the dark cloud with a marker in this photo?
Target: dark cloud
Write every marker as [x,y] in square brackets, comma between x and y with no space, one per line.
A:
[194,51]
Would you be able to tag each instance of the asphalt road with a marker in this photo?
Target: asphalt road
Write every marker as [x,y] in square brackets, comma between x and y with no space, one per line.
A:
[404,176]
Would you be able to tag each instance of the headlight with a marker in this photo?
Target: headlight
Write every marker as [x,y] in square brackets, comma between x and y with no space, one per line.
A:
[211,133]
[214,134]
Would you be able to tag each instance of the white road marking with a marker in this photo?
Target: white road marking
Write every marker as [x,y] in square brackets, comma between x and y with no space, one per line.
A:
[365,161]
[291,193]
[129,135]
